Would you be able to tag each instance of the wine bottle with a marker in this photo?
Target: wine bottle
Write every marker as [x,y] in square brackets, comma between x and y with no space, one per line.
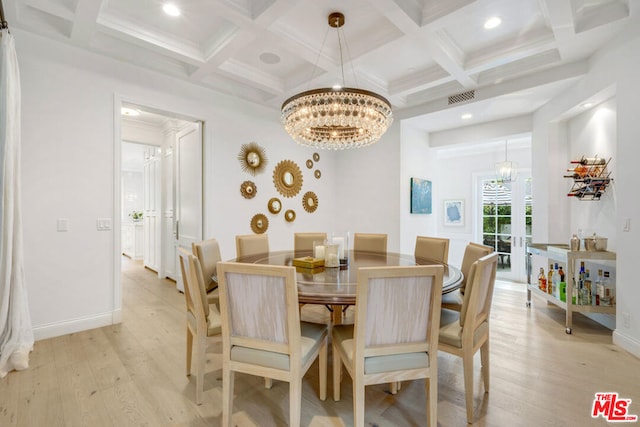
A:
[591,161]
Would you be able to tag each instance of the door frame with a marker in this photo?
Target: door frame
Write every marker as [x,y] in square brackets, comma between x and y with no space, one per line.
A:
[119,99]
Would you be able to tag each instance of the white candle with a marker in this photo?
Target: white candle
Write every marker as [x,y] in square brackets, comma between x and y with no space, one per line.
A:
[319,252]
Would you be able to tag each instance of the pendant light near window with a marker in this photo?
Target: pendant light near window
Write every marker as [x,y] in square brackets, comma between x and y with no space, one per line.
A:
[336,118]
[506,171]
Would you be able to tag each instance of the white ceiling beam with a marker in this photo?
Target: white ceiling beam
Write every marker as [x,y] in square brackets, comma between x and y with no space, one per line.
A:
[86,21]
[120,28]
[223,52]
[559,17]
[419,80]
[563,72]
[48,6]
[406,17]
[448,55]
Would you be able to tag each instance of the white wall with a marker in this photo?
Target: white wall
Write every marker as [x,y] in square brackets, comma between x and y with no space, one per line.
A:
[615,65]
[70,131]
[458,171]
[418,161]
[594,133]
[366,188]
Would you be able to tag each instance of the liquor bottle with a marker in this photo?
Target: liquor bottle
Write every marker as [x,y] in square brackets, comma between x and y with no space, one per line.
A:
[542,280]
[585,295]
[562,285]
[575,294]
[598,290]
[555,280]
[605,297]
[589,286]
[550,280]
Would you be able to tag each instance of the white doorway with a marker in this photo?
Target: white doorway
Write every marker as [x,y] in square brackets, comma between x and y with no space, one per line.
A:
[169,164]
[505,221]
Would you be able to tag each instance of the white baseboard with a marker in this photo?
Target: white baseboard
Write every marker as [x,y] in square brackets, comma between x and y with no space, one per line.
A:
[76,325]
[627,343]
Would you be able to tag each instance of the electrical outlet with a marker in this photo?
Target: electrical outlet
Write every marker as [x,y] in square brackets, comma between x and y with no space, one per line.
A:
[626,320]
[627,224]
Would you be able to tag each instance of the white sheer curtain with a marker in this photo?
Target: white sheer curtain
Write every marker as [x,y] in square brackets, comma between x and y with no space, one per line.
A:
[16,334]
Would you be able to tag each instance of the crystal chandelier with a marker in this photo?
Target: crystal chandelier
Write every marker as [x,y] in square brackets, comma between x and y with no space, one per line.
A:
[506,171]
[336,118]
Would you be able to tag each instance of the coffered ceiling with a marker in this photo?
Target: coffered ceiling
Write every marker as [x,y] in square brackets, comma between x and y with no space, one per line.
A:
[417,53]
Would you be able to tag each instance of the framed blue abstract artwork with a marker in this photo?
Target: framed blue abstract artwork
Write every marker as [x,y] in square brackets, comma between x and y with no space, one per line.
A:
[454,212]
[420,196]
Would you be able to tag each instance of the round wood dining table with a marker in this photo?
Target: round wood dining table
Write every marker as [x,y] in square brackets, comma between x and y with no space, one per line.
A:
[337,286]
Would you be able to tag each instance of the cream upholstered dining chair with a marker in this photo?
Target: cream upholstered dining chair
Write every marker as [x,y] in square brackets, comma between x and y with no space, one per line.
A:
[208,253]
[464,332]
[394,337]
[203,321]
[252,244]
[367,242]
[472,253]
[304,241]
[433,248]
[262,333]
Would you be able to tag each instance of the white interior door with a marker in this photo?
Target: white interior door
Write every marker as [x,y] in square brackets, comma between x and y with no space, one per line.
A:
[506,222]
[151,218]
[188,197]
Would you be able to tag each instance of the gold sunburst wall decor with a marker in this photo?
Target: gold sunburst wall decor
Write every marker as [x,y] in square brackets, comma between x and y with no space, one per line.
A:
[287,178]
[290,215]
[259,223]
[310,201]
[248,189]
[253,158]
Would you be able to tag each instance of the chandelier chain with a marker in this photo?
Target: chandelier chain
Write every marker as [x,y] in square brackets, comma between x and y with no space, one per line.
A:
[341,59]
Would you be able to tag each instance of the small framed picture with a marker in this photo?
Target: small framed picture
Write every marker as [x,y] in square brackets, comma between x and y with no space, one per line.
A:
[454,212]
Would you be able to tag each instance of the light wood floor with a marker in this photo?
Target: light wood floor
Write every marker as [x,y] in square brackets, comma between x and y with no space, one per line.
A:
[134,374]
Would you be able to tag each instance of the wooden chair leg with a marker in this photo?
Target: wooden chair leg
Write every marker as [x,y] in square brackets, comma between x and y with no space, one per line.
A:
[189,350]
[393,387]
[484,359]
[467,364]
[358,404]
[431,392]
[227,396]
[295,401]
[201,357]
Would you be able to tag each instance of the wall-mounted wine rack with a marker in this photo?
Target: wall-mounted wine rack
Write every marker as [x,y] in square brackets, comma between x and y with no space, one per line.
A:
[590,178]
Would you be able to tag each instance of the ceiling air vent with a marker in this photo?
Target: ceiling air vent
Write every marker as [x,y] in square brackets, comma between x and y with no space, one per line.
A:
[461,97]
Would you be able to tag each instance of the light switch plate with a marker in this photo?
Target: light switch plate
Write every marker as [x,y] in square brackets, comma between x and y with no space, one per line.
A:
[103,224]
[62,224]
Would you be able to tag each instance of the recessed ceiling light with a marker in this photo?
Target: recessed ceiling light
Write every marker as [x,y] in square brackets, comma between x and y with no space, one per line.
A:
[466,116]
[171,9]
[587,104]
[492,22]
[125,111]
